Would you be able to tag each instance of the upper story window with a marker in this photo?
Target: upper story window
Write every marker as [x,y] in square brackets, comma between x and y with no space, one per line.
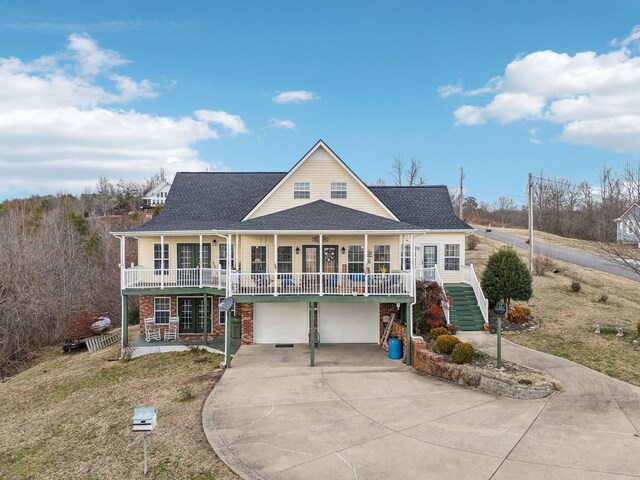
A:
[406,256]
[381,258]
[285,259]
[355,259]
[222,256]
[452,256]
[338,189]
[259,259]
[301,190]
[158,258]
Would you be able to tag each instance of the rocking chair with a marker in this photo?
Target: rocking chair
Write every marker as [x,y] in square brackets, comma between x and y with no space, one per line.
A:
[151,330]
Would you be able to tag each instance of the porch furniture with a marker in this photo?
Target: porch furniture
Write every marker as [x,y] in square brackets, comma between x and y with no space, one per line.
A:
[171,332]
[151,330]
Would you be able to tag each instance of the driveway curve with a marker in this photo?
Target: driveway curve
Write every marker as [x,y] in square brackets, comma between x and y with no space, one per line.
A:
[358,415]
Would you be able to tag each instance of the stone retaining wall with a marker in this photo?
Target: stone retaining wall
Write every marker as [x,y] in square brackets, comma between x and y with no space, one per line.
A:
[430,363]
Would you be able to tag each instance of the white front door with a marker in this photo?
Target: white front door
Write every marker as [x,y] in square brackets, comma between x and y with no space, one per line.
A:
[348,322]
[286,322]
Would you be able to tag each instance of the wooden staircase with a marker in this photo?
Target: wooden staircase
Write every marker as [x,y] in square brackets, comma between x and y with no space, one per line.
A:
[464,312]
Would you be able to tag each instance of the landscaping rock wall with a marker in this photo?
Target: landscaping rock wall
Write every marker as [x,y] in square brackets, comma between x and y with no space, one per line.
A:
[430,363]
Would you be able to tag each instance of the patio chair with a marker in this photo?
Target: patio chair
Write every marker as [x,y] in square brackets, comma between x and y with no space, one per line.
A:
[151,330]
[171,332]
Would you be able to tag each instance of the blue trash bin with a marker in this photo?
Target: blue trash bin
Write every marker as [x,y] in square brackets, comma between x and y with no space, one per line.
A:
[395,348]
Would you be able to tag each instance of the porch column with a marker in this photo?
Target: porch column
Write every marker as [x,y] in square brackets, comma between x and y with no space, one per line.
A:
[227,333]
[312,334]
[200,262]
[321,266]
[122,263]
[206,320]
[162,261]
[366,264]
[275,264]
[406,315]
[124,333]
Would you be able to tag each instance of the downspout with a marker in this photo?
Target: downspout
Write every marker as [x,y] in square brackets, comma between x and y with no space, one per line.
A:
[227,333]
[412,304]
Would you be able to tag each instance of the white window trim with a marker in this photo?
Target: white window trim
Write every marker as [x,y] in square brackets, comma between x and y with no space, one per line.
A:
[364,258]
[377,262]
[292,258]
[452,256]
[335,189]
[307,190]
[165,267]
[155,310]
[437,246]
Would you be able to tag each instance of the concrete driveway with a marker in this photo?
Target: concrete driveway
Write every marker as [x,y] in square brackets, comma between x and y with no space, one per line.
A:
[358,415]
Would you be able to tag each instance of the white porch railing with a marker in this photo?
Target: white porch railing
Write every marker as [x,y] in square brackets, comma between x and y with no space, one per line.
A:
[321,284]
[174,277]
[469,277]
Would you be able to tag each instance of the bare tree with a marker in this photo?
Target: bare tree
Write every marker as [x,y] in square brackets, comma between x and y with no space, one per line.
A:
[414,172]
[397,169]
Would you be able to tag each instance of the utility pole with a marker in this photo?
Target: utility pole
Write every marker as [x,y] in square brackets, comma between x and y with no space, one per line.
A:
[461,194]
[530,192]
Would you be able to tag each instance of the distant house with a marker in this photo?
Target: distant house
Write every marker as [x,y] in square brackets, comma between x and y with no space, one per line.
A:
[157,195]
[628,225]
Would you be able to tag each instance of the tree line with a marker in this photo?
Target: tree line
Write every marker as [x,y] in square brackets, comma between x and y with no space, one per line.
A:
[563,207]
[58,259]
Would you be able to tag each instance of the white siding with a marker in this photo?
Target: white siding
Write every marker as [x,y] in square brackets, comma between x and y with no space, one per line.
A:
[440,239]
[320,169]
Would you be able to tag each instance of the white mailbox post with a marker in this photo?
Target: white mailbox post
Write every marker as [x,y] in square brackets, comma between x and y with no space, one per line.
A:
[144,420]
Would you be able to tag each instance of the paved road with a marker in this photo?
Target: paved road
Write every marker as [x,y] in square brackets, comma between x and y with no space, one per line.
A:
[564,254]
[358,415]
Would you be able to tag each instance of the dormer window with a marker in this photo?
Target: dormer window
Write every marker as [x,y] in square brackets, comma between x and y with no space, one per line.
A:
[302,190]
[338,189]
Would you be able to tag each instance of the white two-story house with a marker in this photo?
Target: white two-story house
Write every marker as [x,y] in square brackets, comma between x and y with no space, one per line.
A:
[313,250]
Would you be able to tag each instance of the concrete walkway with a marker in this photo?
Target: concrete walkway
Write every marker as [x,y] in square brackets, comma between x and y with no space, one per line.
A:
[358,415]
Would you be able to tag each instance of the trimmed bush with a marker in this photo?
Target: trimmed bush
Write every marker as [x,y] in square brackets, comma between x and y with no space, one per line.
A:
[434,333]
[519,314]
[506,278]
[462,353]
[446,343]
[576,287]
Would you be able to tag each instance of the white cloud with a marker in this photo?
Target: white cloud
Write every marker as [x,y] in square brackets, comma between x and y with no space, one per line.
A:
[278,123]
[227,120]
[594,97]
[295,96]
[533,135]
[63,124]
[91,59]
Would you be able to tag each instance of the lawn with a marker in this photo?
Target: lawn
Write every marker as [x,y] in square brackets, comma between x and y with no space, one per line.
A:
[567,319]
[69,416]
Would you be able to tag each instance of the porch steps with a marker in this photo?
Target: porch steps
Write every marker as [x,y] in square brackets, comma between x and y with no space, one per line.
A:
[464,311]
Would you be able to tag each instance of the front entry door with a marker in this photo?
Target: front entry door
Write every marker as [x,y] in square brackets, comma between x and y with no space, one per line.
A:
[311,264]
[192,314]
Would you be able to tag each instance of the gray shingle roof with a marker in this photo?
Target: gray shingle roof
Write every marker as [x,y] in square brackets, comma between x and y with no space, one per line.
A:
[321,216]
[425,206]
[210,200]
[219,201]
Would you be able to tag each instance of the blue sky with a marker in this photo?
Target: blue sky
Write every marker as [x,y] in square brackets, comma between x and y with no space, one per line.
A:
[123,88]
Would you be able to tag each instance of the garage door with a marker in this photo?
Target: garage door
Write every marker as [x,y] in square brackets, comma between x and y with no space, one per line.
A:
[281,322]
[348,322]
